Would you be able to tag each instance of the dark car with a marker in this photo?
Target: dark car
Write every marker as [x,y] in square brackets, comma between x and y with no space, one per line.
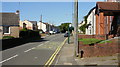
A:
[66,35]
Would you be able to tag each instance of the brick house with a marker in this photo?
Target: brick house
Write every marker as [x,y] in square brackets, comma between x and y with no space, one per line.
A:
[113,0]
[103,21]
[32,25]
[107,19]
[9,24]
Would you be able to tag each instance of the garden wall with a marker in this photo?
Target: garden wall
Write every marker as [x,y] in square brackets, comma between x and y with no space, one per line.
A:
[9,43]
[100,49]
[102,37]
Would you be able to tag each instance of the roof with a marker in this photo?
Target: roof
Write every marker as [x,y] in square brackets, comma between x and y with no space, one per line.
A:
[9,19]
[34,22]
[90,11]
[113,6]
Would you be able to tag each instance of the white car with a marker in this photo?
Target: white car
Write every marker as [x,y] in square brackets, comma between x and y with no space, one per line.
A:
[51,32]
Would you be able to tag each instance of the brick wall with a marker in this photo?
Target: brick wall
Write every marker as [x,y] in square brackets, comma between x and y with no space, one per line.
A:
[14,31]
[102,37]
[100,49]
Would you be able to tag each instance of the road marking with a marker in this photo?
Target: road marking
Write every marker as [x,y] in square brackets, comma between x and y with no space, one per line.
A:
[9,58]
[33,48]
[51,59]
[40,45]
[28,50]
[47,41]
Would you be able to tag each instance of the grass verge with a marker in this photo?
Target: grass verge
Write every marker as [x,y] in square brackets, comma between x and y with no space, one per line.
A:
[93,41]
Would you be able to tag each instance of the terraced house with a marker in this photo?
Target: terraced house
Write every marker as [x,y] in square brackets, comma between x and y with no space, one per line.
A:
[10,24]
[31,25]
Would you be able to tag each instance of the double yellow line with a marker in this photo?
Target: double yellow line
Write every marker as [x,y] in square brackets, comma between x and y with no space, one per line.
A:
[52,58]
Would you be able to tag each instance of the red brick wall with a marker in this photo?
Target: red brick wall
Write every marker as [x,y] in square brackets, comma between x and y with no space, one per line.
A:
[102,37]
[97,25]
[100,49]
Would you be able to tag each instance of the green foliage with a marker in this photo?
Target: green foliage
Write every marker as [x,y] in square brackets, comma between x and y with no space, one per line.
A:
[29,33]
[64,27]
[93,41]
[83,27]
[24,29]
[89,40]
[8,37]
[85,19]
[102,42]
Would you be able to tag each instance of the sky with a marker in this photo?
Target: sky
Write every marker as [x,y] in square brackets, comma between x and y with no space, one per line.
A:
[52,12]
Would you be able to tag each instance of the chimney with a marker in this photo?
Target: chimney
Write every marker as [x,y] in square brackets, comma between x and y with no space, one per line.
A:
[17,12]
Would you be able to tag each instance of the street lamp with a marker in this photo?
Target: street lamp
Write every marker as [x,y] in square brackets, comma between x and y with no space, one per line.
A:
[69,33]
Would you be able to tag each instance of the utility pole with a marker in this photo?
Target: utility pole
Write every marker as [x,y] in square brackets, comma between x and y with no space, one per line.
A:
[41,18]
[76,27]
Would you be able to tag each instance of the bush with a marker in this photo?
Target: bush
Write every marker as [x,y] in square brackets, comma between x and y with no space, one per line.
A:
[24,29]
[29,33]
[8,37]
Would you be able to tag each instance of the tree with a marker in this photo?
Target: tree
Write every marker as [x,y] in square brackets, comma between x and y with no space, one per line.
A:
[64,27]
[83,27]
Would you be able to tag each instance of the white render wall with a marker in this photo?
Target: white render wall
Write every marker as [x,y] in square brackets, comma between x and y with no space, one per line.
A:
[42,26]
[91,20]
[29,25]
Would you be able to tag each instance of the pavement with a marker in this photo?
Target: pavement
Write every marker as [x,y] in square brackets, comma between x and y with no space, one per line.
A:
[66,57]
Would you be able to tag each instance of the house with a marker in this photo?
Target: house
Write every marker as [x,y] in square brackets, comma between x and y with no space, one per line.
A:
[104,20]
[108,19]
[42,26]
[91,22]
[46,27]
[113,0]
[31,25]
[9,24]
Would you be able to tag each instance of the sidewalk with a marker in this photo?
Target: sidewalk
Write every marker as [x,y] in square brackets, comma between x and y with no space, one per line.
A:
[66,57]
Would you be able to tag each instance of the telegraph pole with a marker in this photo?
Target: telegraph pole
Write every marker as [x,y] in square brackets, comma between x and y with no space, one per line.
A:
[41,18]
[76,27]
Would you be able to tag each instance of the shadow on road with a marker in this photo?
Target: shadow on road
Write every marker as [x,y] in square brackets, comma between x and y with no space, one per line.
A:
[38,40]
[10,43]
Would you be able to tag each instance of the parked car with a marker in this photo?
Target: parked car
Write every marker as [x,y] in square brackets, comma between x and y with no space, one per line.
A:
[51,32]
[54,32]
[66,35]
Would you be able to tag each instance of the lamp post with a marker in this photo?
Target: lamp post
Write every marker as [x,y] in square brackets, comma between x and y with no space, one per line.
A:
[69,33]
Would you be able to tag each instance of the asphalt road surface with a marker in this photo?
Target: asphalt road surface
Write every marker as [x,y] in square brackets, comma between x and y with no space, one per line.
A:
[33,53]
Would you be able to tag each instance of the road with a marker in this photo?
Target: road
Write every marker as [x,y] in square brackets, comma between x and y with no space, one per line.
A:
[33,53]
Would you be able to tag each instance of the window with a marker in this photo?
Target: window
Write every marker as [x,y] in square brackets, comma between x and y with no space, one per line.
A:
[6,30]
[24,25]
[118,20]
